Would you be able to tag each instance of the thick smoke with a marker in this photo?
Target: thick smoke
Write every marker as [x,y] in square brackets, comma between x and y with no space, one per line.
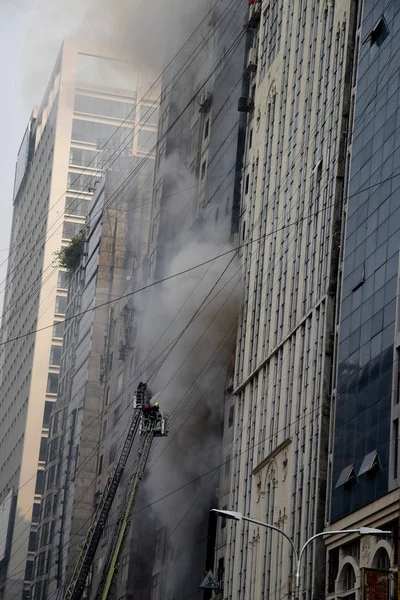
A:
[148,32]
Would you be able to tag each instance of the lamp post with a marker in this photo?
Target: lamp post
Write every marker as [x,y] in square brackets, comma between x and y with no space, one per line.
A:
[298,554]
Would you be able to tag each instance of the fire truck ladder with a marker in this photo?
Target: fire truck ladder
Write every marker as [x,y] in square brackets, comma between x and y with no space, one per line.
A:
[151,423]
[121,529]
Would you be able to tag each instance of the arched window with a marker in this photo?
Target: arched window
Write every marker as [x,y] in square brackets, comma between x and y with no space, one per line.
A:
[381,560]
[348,578]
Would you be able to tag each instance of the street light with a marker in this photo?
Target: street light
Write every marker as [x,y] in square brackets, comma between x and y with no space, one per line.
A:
[237,516]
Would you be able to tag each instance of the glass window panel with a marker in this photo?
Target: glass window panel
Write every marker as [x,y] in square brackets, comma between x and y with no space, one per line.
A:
[147,141]
[39,486]
[52,383]
[71,230]
[61,304]
[63,279]
[48,407]
[104,107]
[77,206]
[149,114]
[55,355]
[58,329]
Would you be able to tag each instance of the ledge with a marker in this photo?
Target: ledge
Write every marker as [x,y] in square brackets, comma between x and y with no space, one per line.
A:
[271,455]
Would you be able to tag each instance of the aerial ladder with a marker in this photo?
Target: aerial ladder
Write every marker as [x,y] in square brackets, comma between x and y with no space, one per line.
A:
[150,422]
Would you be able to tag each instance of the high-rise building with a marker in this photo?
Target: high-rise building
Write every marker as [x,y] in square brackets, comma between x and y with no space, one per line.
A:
[365,428]
[94,99]
[290,218]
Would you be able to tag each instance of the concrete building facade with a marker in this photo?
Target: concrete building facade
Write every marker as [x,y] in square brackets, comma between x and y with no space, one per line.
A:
[294,177]
[92,96]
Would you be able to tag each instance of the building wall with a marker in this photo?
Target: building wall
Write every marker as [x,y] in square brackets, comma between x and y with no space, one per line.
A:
[366,415]
[292,194]
[50,206]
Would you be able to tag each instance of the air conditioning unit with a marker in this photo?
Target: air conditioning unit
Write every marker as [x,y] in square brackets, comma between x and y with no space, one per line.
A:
[254,13]
[252,60]
[205,101]
[245,104]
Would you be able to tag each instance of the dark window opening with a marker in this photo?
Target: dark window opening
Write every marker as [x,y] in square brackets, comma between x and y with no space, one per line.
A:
[28,570]
[35,513]
[48,406]
[43,448]
[250,138]
[247,185]
[231,415]
[32,544]
[333,569]
[112,453]
[100,469]
[206,129]
[396,448]
[203,169]
[379,33]
[52,383]
[39,487]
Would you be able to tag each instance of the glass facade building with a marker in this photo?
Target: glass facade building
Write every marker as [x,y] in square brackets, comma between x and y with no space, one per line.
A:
[365,454]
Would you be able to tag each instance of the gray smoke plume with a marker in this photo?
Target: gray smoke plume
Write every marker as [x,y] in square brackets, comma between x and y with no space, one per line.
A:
[147,32]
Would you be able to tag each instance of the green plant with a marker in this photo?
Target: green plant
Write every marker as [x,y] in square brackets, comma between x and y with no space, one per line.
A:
[69,256]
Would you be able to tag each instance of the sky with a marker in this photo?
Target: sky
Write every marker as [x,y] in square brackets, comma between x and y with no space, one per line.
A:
[31,34]
[28,51]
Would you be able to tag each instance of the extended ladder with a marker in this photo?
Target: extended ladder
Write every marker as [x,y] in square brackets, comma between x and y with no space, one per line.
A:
[151,423]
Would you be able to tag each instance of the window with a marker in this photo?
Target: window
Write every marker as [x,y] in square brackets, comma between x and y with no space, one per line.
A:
[116,415]
[370,464]
[46,414]
[77,206]
[149,114]
[63,280]
[231,416]
[55,355]
[396,448]
[333,569]
[43,448]
[58,329]
[84,158]
[203,169]
[100,468]
[71,230]
[52,383]
[82,183]
[379,33]
[348,578]
[44,538]
[28,570]
[206,128]
[221,570]
[41,562]
[271,34]
[347,477]
[120,382]
[381,560]
[39,487]
[61,305]
[35,513]
[112,453]
[107,398]
[32,544]
[97,133]
[147,140]
[104,107]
